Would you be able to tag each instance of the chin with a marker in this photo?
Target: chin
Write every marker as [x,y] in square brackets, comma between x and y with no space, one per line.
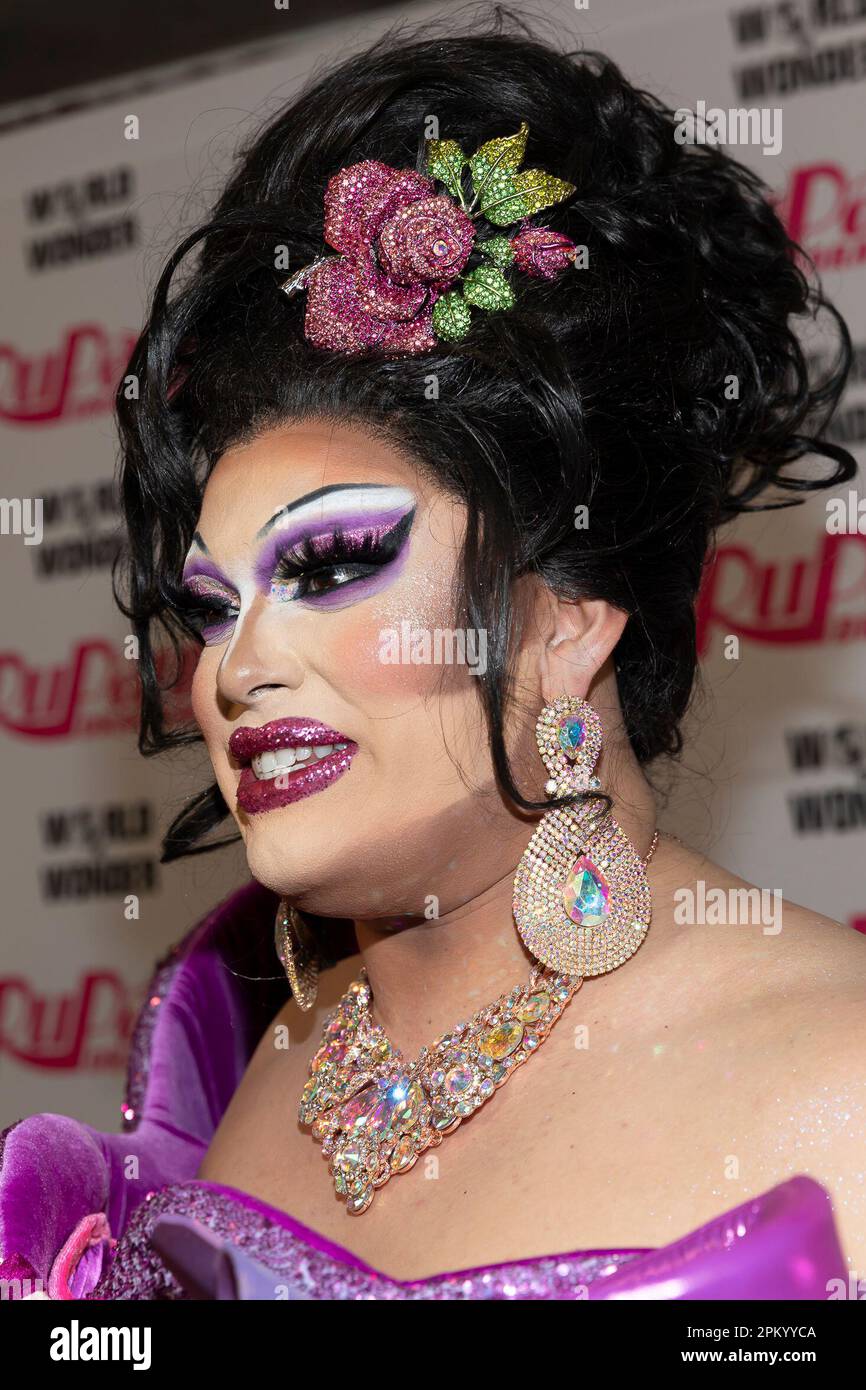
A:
[316,872]
[281,860]
[305,866]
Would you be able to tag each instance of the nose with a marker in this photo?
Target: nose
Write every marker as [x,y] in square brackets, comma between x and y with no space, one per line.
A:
[259,659]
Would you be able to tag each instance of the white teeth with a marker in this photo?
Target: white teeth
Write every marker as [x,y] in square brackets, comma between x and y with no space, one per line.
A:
[273,761]
[338,747]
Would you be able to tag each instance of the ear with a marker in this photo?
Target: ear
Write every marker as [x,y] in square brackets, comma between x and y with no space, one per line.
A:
[576,637]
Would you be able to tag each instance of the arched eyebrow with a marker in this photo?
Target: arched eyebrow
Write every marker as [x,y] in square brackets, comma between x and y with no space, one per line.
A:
[399,498]
[314,497]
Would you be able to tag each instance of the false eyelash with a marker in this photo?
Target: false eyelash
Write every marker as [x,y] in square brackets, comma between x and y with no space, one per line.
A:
[309,556]
[196,612]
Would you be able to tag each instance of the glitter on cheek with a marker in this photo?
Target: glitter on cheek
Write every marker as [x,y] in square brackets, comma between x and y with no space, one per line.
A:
[359,650]
[425,598]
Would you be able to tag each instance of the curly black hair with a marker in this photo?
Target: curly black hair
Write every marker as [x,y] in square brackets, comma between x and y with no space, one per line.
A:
[605,388]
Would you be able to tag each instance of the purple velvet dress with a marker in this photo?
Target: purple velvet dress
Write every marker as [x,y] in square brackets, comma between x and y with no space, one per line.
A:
[87,1215]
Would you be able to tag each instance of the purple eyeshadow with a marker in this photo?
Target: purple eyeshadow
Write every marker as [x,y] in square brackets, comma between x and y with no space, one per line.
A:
[204,581]
[353,526]
[200,566]
[359,589]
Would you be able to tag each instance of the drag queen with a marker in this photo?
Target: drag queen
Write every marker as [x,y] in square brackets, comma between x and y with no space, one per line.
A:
[430,449]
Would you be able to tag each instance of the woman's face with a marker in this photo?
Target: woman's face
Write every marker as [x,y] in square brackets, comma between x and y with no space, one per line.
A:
[338,703]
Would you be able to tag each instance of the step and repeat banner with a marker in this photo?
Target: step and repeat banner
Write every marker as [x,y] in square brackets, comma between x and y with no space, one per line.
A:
[773,781]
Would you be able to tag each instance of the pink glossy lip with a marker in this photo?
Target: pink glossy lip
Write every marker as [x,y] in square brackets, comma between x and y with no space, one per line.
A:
[245,743]
[266,794]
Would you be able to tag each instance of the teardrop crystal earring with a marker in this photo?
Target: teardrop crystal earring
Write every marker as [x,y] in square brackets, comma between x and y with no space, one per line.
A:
[582,902]
[297,954]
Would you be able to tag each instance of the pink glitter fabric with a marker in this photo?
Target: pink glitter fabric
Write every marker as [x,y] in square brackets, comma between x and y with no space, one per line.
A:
[306,1266]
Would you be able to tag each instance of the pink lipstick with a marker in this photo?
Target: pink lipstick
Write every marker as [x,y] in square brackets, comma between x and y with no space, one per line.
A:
[286,760]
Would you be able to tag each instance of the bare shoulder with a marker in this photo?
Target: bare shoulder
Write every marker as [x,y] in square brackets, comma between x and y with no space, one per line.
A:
[754,934]
[786,988]
[767,963]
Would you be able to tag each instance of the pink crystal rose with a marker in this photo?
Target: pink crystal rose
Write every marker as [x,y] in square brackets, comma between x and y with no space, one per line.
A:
[400,245]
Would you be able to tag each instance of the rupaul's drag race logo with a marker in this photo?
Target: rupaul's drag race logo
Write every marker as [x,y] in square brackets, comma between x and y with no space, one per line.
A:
[815,598]
[824,210]
[76,378]
[87,1028]
[95,690]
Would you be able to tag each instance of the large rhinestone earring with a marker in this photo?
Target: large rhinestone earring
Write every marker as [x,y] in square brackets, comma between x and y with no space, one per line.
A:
[581,897]
[297,954]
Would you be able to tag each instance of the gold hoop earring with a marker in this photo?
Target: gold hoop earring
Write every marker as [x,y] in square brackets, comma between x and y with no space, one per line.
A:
[297,954]
[582,901]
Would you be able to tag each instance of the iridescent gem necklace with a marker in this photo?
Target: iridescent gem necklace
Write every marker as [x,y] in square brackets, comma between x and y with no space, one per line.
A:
[374,1113]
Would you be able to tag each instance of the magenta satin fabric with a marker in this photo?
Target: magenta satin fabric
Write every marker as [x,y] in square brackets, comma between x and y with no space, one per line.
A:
[170,1236]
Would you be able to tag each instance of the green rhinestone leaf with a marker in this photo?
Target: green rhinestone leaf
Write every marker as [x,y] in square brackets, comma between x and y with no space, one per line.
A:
[504,155]
[503,202]
[506,205]
[541,190]
[488,288]
[493,168]
[451,317]
[497,249]
[445,162]
[514,196]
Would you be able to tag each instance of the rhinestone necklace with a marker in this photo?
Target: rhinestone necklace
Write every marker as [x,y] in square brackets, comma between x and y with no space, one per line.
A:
[374,1113]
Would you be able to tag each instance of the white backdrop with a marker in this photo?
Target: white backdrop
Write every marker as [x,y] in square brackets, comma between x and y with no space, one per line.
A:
[774,778]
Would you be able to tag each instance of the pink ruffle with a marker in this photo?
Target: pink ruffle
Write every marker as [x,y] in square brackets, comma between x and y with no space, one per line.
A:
[79,1263]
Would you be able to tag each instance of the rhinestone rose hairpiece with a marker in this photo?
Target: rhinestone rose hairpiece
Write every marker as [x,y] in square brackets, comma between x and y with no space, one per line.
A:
[398,279]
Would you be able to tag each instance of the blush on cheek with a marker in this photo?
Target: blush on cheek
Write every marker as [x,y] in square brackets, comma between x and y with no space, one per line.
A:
[366,650]
[376,641]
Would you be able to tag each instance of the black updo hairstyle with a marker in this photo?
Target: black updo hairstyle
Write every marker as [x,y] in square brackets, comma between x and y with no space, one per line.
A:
[605,387]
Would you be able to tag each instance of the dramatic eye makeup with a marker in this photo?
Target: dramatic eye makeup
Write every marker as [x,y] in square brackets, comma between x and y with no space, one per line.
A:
[340,566]
[356,544]
[328,549]
[208,602]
